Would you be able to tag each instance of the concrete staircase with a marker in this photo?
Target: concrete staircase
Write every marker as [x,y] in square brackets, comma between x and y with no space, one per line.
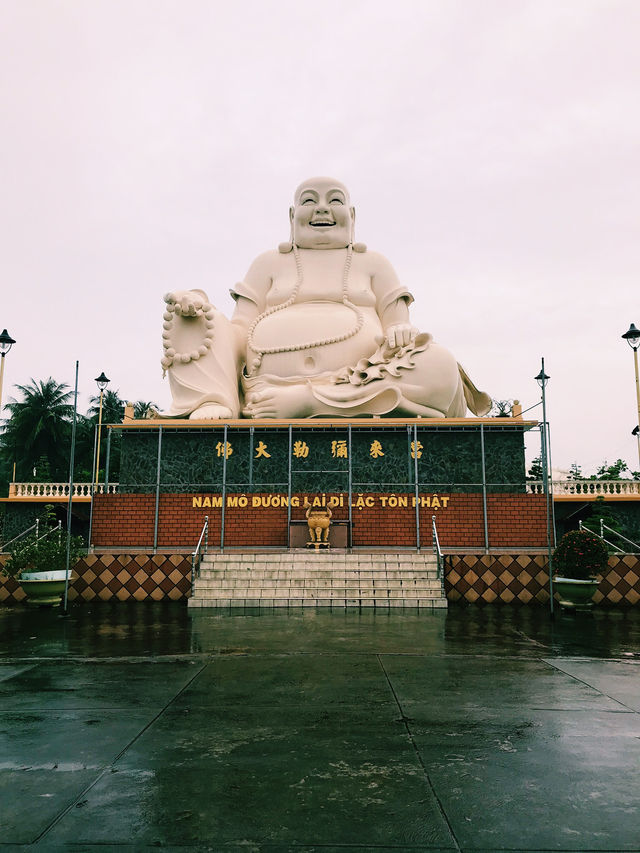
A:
[304,578]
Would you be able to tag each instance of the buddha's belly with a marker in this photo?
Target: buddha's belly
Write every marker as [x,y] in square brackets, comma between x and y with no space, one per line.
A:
[310,338]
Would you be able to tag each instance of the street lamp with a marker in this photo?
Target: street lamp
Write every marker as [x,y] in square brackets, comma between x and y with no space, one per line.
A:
[632,337]
[542,380]
[6,342]
[102,383]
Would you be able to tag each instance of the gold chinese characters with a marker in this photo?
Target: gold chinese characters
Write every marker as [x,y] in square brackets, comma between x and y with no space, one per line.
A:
[301,450]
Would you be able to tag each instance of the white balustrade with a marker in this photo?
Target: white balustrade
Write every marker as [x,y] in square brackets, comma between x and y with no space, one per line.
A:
[619,488]
[59,490]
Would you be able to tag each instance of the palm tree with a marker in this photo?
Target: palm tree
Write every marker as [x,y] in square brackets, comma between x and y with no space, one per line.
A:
[141,407]
[112,413]
[39,427]
[85,437]
[112,408]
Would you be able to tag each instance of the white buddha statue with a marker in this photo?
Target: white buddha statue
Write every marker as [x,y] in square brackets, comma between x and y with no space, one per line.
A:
[321,328]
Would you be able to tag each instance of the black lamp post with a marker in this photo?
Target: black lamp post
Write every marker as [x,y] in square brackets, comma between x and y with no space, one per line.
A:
[632,337]
[542,380]
[102,383]
[6,342]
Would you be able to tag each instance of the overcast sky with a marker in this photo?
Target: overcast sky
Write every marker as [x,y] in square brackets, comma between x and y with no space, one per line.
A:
[491,147]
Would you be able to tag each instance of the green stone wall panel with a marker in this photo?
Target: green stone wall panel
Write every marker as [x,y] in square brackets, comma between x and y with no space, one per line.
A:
[505,463]
[138,461]
[382,459]
[450,458]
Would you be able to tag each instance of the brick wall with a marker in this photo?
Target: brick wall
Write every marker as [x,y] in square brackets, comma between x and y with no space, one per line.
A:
[513,520]
[123,520]
[517,521]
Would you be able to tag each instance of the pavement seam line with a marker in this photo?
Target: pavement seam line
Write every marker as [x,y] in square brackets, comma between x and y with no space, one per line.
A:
[418,756]
[114,760]
[628,709]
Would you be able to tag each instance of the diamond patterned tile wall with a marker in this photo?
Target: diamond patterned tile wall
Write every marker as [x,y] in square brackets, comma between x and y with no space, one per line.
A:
[506,578]
[524,579]
[503,578]
[123,577]
[621,585]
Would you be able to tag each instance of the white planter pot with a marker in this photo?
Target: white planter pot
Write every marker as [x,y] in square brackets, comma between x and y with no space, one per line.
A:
[575,593]
[44,588]
[58,575]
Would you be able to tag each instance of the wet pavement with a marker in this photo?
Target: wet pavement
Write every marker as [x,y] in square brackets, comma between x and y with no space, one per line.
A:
[481,729]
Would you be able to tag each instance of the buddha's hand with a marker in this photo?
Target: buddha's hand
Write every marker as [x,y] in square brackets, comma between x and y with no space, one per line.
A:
[399,335]
[187,303]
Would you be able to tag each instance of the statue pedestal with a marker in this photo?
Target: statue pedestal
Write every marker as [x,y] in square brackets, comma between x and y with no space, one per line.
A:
[385,479]
[299,534]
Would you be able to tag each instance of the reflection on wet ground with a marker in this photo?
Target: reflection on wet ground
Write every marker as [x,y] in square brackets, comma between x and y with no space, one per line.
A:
[131,630]
[145,725]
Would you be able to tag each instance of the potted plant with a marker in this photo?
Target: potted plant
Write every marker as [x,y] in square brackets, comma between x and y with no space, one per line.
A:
[38,563]
[578,560]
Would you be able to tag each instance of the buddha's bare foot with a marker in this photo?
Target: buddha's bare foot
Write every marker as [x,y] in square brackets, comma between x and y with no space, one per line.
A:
[281,401]
[211,412]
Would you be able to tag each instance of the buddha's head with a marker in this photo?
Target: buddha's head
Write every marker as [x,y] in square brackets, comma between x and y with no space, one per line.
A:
[321,216]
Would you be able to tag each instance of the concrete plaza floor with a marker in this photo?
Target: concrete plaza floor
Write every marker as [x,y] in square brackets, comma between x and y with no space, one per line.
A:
[146,726]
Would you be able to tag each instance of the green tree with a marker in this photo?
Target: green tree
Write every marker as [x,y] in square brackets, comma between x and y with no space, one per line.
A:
[601,510]
[140,408]
[535,472]
[41,471]
[112,408]
[112,413]
[575,472]
[38,427]
[85,438]
[611,472]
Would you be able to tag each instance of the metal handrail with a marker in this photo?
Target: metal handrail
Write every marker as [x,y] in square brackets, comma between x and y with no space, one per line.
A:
[436,546]
[201,547]
[604,527]
[57,527]
[35,526]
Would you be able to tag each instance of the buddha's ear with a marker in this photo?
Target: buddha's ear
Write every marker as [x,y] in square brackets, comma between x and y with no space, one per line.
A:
[357,247]
[285,248]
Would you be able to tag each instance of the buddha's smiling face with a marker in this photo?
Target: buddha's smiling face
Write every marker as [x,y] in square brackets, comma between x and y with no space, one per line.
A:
[321,215]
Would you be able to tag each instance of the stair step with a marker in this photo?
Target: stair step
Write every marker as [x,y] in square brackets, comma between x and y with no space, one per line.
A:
[316,583]
[322,579]
[311,559]
[267,603]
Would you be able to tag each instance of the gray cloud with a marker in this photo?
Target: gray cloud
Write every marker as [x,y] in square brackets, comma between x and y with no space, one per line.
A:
[490,149]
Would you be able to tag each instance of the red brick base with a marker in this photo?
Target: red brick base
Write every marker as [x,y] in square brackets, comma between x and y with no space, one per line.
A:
[379,520]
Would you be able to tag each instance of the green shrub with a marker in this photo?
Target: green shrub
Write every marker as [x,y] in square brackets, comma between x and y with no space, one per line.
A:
[580,555]
[22,557]
[44,553]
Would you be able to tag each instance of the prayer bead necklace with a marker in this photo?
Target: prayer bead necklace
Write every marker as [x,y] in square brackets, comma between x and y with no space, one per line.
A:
[251,369]
[170,356]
